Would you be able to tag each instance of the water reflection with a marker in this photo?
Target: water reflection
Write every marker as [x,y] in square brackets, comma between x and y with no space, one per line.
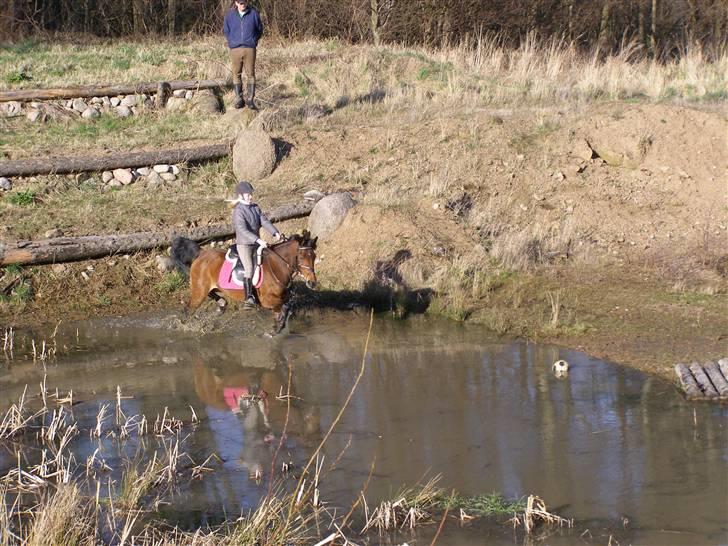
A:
[437,398]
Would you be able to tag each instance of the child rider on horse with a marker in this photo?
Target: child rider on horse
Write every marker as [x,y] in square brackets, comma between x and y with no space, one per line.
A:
[247,220]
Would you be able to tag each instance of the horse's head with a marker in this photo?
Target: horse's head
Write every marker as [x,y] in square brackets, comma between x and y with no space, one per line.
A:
[306,258]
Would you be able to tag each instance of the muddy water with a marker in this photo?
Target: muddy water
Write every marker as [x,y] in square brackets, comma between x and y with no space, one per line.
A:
[620,452]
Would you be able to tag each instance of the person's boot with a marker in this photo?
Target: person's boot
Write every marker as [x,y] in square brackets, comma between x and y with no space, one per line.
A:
[239,102]
[250,302]
[251,96]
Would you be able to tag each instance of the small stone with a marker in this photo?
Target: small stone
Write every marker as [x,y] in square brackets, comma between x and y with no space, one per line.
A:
[175,103]
[439,251]
[558,175]
[189,95]
[59,269]
[124,176]
[85,276]
[579,168]
[53,233]
[313,195]
[168,177]
[161,168]
[69,103]
[90,113]
[95,100]
[106,101]
[179,93]
[436,206]
[520,157]
[34,116]
[570,209]
[154,180]
[106,176]
[129,100]
[79,105]
[164,264]
[123,111]
[115,101]
[114,183]
[175,170]
[36,105]
[143,171]
[134,110]
[5,184]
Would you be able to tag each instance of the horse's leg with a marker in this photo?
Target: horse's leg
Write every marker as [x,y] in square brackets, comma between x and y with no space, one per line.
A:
[221,302]
[198,293]
[282,318]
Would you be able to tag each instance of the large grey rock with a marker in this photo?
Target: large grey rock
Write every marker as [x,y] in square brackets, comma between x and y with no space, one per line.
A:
[106,176]
[254,155]
[176,104]
[11,108]
[129,100]
[328,214]
[206,103]
[115,101]
[5,184]
[34,116]
[154,180]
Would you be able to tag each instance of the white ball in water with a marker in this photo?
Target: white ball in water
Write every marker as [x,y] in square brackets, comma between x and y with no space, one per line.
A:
[560,367]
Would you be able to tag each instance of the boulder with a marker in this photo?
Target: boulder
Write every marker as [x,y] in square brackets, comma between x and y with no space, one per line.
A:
[129,100]
[176,103]
[123,111]
[164,264]
[328,214]
[115,101]
[161,168]
[79,105]
[179,93]
[168,177]
[53,233]
[11,108]
[35,116]
[254,155]
[206,103]
[106,176]
[143,171]
[5,184]
[154,180]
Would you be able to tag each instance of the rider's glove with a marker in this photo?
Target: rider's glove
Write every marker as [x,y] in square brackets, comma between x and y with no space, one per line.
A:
[262,243]
[278,236]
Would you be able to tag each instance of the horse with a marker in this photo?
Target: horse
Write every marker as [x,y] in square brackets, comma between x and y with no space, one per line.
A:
[280,263]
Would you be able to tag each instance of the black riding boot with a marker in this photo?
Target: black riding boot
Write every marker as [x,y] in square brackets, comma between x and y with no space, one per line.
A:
[250,302]
[251,96]
[239,102]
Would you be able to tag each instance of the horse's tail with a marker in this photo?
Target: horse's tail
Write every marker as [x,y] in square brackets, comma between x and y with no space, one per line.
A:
[184,252]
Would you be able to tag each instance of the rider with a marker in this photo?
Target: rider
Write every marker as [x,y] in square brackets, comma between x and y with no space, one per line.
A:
[247,220]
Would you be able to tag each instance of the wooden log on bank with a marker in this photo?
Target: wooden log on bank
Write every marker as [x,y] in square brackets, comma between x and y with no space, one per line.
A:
[689,385]
[76,164]
[712,370]
[106,90]
[68,249]
[703,381]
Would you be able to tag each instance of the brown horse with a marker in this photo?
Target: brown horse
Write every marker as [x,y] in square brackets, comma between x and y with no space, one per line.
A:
[280,264]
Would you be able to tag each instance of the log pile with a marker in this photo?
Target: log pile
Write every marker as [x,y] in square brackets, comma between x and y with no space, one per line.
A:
[704,382]
[67,249]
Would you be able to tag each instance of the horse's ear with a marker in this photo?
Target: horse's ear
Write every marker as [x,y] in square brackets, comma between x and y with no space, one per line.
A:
[305,235]
[313,242]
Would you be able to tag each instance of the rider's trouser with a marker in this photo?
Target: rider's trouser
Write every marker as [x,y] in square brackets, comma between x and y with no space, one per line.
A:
[246,253]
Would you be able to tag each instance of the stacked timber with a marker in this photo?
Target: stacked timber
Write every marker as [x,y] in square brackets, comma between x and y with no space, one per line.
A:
[704,382]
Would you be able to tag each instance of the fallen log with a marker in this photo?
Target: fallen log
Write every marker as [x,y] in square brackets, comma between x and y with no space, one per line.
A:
[703,381]
[689,385]
[716,377]
[68,249]
[106,90]
[76,164]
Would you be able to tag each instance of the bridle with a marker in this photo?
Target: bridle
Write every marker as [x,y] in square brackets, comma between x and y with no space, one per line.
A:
[293,271]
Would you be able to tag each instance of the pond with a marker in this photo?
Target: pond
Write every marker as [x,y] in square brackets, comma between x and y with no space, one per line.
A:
[620,452]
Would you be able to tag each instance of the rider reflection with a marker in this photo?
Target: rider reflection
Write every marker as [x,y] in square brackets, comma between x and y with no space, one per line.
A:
[247,419]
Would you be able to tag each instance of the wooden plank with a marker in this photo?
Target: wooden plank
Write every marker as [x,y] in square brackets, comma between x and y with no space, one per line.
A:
[106,90]
[689,385]
[76,164]
[67,249]
[703,381]
[716,377]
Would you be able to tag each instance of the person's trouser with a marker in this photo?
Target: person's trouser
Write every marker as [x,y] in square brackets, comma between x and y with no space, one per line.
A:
[246,256]
[243,57]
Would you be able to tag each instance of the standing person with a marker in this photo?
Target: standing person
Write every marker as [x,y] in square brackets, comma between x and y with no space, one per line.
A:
[243,28]
[247,221]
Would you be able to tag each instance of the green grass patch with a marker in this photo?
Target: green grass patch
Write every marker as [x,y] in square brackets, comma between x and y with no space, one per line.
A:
[171,283]
[483,505]
[22,198]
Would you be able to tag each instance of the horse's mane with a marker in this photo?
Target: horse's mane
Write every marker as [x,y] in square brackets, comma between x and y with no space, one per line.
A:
[303,240]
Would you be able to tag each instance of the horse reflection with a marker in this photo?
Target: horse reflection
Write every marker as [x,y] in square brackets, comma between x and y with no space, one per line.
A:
[249,416]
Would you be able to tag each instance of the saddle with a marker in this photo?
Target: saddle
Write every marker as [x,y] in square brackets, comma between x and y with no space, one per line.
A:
[238,272]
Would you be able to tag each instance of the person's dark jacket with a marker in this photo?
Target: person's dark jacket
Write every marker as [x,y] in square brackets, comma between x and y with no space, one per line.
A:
[247,220]
[243,31]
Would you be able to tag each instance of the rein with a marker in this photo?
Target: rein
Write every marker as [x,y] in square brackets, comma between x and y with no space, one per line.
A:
[291,270]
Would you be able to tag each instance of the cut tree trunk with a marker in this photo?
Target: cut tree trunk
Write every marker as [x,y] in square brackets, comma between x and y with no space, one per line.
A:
[105,90]
[76,164]
[68,249]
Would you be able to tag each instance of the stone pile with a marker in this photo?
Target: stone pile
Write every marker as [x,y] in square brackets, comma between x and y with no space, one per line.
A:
[91,108]
[151,177]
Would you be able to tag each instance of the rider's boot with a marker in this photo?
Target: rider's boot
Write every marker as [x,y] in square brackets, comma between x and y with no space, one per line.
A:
[251,96]
[250,302]
[239,102]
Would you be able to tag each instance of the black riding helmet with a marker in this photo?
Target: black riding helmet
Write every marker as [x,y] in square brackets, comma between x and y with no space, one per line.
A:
[243,187]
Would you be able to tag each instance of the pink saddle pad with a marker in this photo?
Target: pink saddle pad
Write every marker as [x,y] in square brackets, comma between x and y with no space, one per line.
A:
[225,279]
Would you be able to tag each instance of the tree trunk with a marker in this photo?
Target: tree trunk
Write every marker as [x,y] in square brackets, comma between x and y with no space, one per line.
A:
[61,165]
[653,30]
[374,21]
[604,29]
[102,90]
[641,36]
[171,16]
[68,249]
[138,15]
